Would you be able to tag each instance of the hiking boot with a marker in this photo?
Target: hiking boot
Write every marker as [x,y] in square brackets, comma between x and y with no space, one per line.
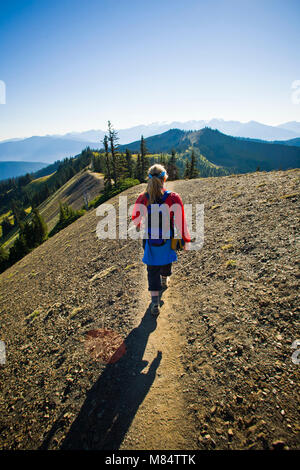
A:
[164,282]
[154,308]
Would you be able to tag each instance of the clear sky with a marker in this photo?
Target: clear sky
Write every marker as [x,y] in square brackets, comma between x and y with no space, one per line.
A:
[71,65]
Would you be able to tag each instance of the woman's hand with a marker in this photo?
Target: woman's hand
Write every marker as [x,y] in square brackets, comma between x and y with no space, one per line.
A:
[186,246]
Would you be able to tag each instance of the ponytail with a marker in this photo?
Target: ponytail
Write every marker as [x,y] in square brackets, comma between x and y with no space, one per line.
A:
[157,176]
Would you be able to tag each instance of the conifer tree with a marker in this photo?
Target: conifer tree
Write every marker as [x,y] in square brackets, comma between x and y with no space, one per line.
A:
[122,166]
[107,173]
[113,139]
[18,212]
[163,160]
[172,168]
[29,235]
[143,159]
[129,162]
[4,263]
[62,212]
[193,169]
[6,226]
[94,163]
[138,169]
[187,169]
[40,227]
[18,250]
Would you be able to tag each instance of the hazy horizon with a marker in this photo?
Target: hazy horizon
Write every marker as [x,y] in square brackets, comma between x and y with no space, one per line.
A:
[135,125]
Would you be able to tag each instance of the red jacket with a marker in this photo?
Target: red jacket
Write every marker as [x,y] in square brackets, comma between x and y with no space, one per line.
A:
[176,216]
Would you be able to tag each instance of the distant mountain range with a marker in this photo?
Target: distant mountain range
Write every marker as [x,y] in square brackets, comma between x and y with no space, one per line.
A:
[251,129]
[50,148]
[56,147]
[13,169]
[41,149]
[241,155]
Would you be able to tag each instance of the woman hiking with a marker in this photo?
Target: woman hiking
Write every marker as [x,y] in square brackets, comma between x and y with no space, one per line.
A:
[158,252]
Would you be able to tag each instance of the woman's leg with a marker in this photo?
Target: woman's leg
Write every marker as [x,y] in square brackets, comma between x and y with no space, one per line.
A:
[165,272]
[154,284]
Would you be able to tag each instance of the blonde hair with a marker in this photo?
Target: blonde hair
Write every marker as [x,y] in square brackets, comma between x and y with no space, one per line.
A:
[157,175]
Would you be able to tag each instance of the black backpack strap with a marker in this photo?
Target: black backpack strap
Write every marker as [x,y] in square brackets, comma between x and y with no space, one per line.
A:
[165,195]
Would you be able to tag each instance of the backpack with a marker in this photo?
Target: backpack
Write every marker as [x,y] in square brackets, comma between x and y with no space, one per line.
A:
[155,233]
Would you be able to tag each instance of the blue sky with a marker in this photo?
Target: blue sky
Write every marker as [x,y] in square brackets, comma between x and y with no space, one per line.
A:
[72,65]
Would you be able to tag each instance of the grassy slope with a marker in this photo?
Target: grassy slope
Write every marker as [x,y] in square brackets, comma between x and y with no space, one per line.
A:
[71,193]
[38,181]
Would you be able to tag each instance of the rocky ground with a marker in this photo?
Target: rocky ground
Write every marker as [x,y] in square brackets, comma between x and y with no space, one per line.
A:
[50,299]
[219,354]
[240,311]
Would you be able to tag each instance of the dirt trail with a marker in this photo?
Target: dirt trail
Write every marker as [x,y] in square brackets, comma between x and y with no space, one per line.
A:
[162,421]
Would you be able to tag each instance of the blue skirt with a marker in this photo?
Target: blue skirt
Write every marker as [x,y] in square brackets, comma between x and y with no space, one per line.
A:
[159,255]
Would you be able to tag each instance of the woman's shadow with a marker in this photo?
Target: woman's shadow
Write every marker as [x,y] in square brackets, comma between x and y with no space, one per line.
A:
[114,399]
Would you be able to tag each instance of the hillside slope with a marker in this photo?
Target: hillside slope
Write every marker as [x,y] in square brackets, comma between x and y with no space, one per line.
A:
[293,142]
[71,193]
[219,372]
[242,155]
